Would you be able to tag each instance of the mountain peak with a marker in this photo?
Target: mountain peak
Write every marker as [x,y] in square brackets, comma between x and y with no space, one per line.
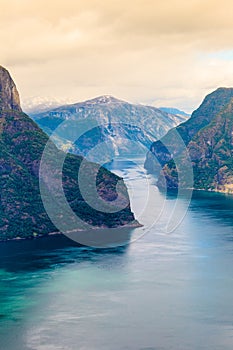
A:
[214,103]
[223,89]
[9,96]
[222,92]
[104,99]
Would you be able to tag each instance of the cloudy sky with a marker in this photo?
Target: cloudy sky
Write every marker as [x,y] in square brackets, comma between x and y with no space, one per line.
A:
[161,52]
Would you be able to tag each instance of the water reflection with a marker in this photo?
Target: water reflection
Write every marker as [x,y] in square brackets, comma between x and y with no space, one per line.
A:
[165,291]
[45,252]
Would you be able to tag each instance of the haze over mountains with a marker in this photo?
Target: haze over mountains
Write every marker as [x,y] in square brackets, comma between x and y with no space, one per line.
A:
[174,111]
[208,136]
[22,143]
[122,125]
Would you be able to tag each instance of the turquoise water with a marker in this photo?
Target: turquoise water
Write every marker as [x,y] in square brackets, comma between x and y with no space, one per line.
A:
[161,292]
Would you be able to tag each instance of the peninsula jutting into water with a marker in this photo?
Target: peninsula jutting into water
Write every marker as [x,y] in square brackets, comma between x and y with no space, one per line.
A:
[22,214]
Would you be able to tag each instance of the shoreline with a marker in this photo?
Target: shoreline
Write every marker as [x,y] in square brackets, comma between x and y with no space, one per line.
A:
[196,189]
[136,224]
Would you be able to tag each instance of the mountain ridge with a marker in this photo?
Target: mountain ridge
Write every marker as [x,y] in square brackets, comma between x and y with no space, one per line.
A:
[22,213]
[119,123]
[174,111]
[208,138]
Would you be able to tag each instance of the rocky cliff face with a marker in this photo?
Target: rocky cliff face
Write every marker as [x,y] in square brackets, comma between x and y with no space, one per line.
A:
[9,96]
[22,143]
[123,126]
[208,136]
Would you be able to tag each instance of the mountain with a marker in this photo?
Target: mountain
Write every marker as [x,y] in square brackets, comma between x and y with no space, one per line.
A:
[22,143]
[118,123]
[174,111]
[39,105]
[209,142]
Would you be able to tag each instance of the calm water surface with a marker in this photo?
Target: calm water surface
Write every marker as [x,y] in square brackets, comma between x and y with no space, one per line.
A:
[161,292]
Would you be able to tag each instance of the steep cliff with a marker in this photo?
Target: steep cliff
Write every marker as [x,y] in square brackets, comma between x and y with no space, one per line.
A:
[208,136]
[9,96]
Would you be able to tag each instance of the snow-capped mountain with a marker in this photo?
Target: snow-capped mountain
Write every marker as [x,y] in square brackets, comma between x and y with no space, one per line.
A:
[122,125]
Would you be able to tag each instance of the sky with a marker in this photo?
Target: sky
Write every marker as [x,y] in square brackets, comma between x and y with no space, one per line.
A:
[165,53]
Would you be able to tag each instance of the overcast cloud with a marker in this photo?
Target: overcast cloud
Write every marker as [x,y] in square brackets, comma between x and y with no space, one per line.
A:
[169,53]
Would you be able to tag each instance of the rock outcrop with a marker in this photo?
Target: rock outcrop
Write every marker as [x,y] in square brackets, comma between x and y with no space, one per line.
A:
[9,96]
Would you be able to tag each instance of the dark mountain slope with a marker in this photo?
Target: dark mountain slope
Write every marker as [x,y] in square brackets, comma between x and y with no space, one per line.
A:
[22,142]
[208,137]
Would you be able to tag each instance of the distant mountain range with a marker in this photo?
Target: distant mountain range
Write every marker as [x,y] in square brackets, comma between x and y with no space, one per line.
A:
[208,136]
[22,142]
[174,111]
[120,124]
